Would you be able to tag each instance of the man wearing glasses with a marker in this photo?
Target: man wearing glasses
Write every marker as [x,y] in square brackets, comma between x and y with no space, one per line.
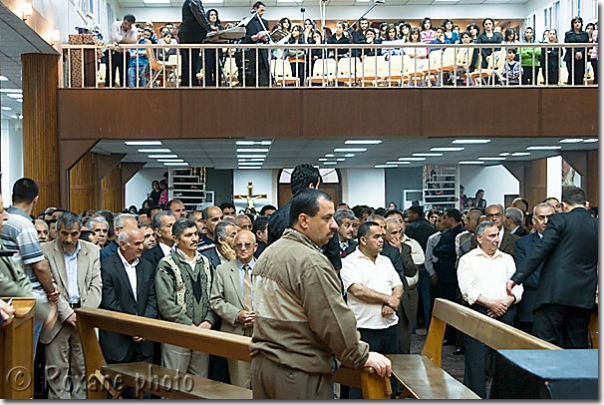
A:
[231,299]
[494,212]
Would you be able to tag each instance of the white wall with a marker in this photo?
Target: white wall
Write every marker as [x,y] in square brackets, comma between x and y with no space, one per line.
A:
[139,187]
[11,161]
[568,10]
[554,177]
[496,181]
[366,186]
[262,182]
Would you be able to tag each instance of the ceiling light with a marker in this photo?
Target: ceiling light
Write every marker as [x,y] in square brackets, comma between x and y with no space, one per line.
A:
[170,160]
[156,1]
[363,142]
[504,154]
[245,143]
[11,91]
[470,141]
[329,155]
[544,147]
[251,163]
[385,166]
[3,79]
[349,155]
[322,159]
[6,108]
[27,10]
[428,154]
[592,140]
[251,156]
[412,159]
[492,158]
[341,159]
[521,154]
[15,95]
[143,143]
[446,149]
[251,160]
[330,163]
[349,150]
[398,163]
[19,100]
[248,150]
[155,150]
[176,164]
[249,167]
[572,140]
[162,156]
[471,162]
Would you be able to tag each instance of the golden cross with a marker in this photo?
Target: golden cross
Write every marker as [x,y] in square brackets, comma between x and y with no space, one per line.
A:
[250,197]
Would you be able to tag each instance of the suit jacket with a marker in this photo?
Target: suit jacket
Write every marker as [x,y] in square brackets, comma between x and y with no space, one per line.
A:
[226,297]
[445,251]
[520,232]
[522,247]
[154,255]
[89,281]
[506,245]
[569,253]
[405,267]
[118,296]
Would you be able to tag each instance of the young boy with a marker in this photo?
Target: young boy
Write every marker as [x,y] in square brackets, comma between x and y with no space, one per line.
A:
[512,70]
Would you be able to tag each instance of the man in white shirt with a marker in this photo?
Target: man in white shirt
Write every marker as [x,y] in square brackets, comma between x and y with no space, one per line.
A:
[482,275]
[122,32]
[374,292]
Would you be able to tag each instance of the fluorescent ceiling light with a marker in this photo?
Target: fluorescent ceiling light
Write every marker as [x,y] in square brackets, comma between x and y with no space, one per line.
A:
[544,147]
[143,143]
[252,143]
[349,155]
[504,154]
[162,156]
[156,1]
[176,164]
[385,166]
[492,158]
[470,141]
[521,154]
[251,163]
[330,163]
[446,149]
[248,150]
[249,167]
[412,159]
[164,150]
[251,156]
[170,160]
[572,140]
[3,79]
[251,160]
[592,140]
[349,150]
[398,163]
[362,141]
[19,100]
[329,155]
[341,159]
[6,108]
[15,95]
[428,154]
[11,91]
[471,162]
[322,159]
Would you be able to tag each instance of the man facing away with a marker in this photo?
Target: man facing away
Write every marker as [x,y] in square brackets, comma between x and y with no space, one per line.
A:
[296,336]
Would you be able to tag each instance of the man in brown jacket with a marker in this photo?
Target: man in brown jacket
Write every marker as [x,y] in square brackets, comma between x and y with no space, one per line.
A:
[301,319]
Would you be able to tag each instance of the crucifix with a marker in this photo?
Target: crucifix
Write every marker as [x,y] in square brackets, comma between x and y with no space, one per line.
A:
[250,197]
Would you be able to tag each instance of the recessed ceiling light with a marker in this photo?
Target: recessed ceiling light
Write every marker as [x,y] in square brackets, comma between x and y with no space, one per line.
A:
[162,156]
[349,150]
[143,143]
[249,167]
[11,91]
[363,142]
[398,163]
[428,154]
[251,156]
[329,155]
[164,150]
[330,163]
[170,160]
[504,154]
[471,141]
[572,140]
[492,158]
[544,147]
[251,163]
[254,150]
[412,159]
[19,100]
[591,140]
[252,160]
[176,164]
[245,143]
[15,95]
[3,79]
[471,162]
[521,154]
[349,155]
[156,1]
[341,159]
[322,159]
[385,166]
[251,143]
[6,108]
[446,149]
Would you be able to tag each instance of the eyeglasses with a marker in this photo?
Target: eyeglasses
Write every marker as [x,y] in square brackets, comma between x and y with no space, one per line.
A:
[241,245]
[496,215]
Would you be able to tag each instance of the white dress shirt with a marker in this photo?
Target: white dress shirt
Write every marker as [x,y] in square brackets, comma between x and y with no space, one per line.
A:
[131,272]
[117,34]
[480,274]
[71,267]
[165,248]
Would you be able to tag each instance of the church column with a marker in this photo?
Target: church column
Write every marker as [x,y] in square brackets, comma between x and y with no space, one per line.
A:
[83,184]
[40,74]
[112,190]
[535,181]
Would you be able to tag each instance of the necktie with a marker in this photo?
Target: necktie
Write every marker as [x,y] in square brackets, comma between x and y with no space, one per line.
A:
[247,288]
[343,253]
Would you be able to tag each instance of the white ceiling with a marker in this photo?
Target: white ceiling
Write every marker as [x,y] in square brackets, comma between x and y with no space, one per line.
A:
[221,153]
[127,4]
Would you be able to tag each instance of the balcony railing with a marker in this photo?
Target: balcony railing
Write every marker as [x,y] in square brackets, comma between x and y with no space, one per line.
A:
[397,65]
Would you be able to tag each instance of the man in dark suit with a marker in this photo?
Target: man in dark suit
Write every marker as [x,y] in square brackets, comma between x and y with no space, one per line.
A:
[128,287]
[193,30]
[257,33]
[494,212]
[522,247]
[567,285]
[162,226]
[513,221]
[260,231]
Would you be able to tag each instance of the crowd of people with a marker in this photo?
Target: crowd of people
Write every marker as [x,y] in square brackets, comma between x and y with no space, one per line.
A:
[377,272]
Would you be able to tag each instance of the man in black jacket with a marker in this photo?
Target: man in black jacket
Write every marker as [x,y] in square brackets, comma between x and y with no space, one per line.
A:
[567,285]
[257,33]
[193,30]
[303,176]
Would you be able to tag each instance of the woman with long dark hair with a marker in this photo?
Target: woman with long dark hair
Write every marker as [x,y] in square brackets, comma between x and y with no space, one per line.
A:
[211,74]
[529,58]
[575,57]
[550,59]
[296,56]
[489,36]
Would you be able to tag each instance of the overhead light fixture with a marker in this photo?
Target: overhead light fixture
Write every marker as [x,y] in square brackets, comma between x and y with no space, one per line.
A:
[349,150]
[11,91]
[176,164]
[518,154]
[55,37]
[164,150]
[143,143]
[363,142]
[398,163]
[255,150]
[544,147]
[412,159]
[470,141]
[572,140]
[340,159]
[252,143]
[249,167]
[27,10]
[504,154]
[446,149]
[15,95]
[156,1]
[170,160]
[591,140]
[251,156]
[163,156]
[428,154]
[251,163]
[3,79]
[322,159]
[19,100]
[492,158]
[329,155]
[385,166]
[251,160]
[471,162]
[330,163]
[6,108]
[349,155]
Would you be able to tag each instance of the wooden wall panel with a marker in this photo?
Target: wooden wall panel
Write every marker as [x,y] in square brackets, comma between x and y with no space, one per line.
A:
[535,181]
[83,184]
[569,111]
[592,181]
[40,131]
[112,190]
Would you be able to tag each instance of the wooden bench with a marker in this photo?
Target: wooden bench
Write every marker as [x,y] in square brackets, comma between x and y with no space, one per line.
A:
[16,344]
[422,376]
[102,378]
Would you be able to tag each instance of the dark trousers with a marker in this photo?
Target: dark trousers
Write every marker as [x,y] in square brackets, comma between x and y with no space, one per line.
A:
[424,295]
[576,71]
[383,341]
[211,73]
[562,325]
[134,355]
[298,70]
[116,60]
[189,56]
[527,74]
[477,356]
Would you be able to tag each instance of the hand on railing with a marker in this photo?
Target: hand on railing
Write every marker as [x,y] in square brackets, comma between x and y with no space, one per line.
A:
[380,363]
[7,312]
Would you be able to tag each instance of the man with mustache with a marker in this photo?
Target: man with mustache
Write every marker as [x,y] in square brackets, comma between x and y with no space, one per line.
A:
[76,269]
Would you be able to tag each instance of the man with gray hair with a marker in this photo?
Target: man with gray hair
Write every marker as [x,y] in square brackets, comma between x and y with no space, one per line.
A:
[494,212]
[482,275]
[513,221]
[345,218]
[162,226]
[121,221]
[76,269]
[224,234]
[100,227]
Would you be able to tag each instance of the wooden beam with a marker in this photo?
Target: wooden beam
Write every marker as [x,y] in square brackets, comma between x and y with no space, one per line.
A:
[129,170]
[70,152]
[577,159]
[106,163]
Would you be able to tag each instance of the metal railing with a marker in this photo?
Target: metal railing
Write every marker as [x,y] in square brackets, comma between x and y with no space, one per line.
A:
[325,65]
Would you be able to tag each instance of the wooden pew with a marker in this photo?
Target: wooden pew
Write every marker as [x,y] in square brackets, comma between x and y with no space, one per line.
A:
[17,343]
[168,383]
[422,376]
